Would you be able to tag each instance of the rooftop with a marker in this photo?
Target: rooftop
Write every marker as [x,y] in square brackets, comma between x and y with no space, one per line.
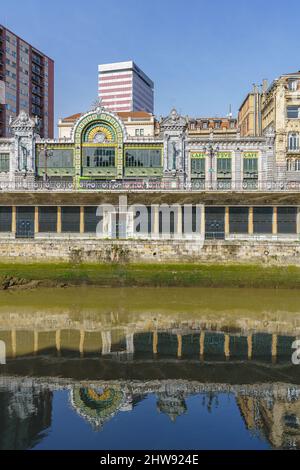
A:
[122,114]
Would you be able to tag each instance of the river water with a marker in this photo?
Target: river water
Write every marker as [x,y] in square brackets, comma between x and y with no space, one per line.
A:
[143,368]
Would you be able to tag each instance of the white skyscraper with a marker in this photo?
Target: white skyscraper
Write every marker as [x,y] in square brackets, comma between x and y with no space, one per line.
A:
[122,86]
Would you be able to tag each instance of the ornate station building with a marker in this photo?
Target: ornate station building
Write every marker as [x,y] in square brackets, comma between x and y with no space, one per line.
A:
[231,185]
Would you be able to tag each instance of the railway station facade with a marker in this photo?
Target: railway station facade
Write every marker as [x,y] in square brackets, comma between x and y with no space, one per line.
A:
[232,186]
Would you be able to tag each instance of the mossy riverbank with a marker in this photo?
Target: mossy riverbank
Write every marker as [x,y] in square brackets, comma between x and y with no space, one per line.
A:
[19,275]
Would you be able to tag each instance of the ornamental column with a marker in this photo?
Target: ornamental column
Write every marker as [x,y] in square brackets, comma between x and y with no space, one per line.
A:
[81,342]
[14,219]
[36,219]
[179,347]
[58,341]
[35,341]
[274,347]
[274,221]
[227,346]
[58,219]
[155,342]
[202,338]
[250,347]
[81,223]
[226,228]
[250,221]
[14,343]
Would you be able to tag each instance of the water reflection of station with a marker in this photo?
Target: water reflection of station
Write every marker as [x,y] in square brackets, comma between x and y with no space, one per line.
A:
[271,411]
[124,343]
[113,365]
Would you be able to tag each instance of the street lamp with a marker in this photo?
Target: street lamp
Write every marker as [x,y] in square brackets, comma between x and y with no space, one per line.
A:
[211,150]
[47,155]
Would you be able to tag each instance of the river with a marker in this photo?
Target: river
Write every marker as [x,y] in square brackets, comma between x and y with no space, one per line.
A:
[149,368]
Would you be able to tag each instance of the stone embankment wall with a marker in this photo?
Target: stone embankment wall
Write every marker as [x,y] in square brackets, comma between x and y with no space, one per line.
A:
[108,251]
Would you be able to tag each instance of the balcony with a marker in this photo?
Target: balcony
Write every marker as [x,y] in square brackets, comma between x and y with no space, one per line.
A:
[37,59]
[37,70]
[36,79]
[93,184]
[37,92]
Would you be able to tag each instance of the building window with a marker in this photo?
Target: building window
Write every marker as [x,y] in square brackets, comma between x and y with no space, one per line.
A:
[293,84]
[139,132]
[4,162]
[205,125]
[293,164]
[238,219]
[262,219]
[217,124]
[147,158]
[91,219]
[286,219]
[250,167]
[70,219]
[224,165]
[289,165]
[293,112]
[293,141]
[95,157]
[198,166]
[47,219]
[214,222]
[5,219]
[56,158]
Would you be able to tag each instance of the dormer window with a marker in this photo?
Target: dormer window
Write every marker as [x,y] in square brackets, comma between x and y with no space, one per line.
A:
[217,124]
[293,84]
[204,125]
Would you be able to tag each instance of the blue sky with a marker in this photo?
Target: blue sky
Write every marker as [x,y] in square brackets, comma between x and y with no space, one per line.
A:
[202,55]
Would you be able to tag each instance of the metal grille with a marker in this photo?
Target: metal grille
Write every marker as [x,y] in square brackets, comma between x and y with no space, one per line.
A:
[48,219]
[70,219]
[262,219]
[238,219]
[25,222]
[214,222]
[287,219]
[91,219]
[5,219]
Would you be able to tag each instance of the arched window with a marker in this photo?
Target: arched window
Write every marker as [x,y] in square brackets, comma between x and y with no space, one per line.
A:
[293,141]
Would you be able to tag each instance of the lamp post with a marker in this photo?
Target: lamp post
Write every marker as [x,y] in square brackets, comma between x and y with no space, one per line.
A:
[211,150]
[47,155]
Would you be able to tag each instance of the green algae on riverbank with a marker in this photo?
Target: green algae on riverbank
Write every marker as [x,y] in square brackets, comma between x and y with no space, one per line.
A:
[21,275]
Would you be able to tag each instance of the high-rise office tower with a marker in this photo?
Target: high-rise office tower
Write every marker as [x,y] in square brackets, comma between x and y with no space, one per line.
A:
[123,86]
[26,83]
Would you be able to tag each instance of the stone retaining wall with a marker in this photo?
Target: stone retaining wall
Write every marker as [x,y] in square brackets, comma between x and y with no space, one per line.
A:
[87,250]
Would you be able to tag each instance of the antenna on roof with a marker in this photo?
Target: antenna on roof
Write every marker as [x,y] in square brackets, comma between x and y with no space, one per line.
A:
[229,115]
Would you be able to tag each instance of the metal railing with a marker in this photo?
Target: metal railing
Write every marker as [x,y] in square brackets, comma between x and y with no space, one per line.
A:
[114,185]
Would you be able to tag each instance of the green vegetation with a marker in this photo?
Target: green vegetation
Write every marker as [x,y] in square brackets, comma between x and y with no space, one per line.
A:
[163,275]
